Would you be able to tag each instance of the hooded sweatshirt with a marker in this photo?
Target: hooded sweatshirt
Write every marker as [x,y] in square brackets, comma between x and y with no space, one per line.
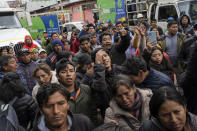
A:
[32,44]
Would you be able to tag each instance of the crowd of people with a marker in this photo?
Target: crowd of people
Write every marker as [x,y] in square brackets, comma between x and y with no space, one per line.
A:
[105,78]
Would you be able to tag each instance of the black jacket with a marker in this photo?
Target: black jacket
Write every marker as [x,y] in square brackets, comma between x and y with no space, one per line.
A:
[186,50]
[83,77]
[117,52]
[189,82]
[25,109]
[79,123]
[102,83]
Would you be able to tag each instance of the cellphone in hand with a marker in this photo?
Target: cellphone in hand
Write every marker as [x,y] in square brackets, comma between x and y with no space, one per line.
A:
[152,37]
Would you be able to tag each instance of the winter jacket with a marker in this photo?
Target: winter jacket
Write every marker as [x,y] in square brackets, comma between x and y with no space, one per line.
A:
[185,28]
[83,102]
[19,73]
[37,86]
[79,123]
[189,83]
[25,109]
[83,77]
[102,83]
[32,44]
[180,40]
[155,80]
[117,51]
[154,124]
[187,50]
[27,72]
[114,112]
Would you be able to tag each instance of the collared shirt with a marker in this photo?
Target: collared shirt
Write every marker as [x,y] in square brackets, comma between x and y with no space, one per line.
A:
[42,125]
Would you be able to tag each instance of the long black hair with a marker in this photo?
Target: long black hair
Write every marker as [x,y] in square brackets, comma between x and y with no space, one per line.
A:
[162,95]
[11,87]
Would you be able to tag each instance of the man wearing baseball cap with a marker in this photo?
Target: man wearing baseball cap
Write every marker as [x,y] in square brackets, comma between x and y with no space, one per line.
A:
[26,66]
[140,18]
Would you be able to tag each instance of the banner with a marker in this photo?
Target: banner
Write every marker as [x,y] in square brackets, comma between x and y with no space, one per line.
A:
[114,10]
[43,23]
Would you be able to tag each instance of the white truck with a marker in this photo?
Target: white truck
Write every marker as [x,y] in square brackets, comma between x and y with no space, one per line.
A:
[161,10]
[11,31]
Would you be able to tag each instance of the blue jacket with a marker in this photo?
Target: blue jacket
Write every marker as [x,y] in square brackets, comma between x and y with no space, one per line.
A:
[26,72]
[155,80]
[19,73]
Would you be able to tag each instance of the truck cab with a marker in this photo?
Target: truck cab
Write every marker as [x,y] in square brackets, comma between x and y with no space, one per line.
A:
[161,10]
[11,30]
[175,9]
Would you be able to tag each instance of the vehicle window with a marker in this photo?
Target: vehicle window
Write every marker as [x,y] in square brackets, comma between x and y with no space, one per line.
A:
[189,8]
[69,28]
[9,20]
[167,11]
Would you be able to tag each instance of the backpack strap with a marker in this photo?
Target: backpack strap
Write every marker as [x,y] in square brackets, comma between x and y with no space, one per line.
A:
[12,101]
[128,122]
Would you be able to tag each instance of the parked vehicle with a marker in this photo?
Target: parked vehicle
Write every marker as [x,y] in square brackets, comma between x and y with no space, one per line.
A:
[160,10]
[11,30]
[68,26]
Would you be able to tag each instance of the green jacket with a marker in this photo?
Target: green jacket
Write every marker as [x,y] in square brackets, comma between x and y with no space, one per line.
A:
[83,104]
[180,39]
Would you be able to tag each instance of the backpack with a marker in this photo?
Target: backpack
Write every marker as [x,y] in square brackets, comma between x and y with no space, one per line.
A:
[8,118]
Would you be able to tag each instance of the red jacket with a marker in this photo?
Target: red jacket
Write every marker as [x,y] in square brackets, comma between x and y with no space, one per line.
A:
[32,44]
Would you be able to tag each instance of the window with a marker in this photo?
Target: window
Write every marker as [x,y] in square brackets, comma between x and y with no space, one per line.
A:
[167,11]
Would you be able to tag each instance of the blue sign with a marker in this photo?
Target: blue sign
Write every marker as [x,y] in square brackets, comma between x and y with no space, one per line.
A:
[120,10]
[51,23]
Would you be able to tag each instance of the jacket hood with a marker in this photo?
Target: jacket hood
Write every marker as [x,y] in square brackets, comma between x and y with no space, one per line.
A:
[189,21]
[28,36]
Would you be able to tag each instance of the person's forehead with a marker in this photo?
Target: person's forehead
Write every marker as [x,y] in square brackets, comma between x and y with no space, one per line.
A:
[85,41]
[55,98]
[11,60]
[68,67]
[106,36]
[102,52]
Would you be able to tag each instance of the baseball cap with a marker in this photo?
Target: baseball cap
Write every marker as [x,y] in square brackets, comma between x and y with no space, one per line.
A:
[22,51]
[41,50]
[140,16]
[170,19]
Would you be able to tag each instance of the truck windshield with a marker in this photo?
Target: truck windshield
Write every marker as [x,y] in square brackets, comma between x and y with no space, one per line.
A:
[9,20]
[189,8]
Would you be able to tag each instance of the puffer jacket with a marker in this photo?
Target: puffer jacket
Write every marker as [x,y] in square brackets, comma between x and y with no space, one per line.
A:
[37,86]
[154,124]
[25,108]
[114,112]
[185,28]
